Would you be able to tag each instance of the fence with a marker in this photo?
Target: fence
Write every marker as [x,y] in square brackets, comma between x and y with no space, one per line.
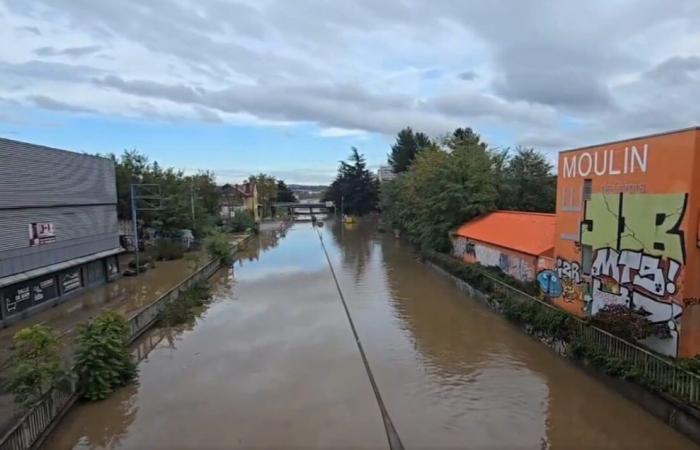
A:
[653,370]
[37,421]
[656,371]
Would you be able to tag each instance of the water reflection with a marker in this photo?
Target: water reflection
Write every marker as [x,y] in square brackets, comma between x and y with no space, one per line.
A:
[355,243]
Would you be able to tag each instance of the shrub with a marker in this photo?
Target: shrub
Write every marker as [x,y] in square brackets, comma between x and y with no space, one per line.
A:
[219,246]
[625,322]
[181,310]
[242,221]
[167,250]
[102,356]
[38,365]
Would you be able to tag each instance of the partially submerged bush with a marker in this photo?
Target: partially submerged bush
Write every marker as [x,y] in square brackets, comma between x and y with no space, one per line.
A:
[242,221]
[166,250]
[102,359]
[38,365]
[628,323]
[181,310]
[219,246]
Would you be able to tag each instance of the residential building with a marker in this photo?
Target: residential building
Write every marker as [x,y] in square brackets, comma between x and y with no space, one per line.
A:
[385,173]
[519,243]
[239,197]
[58,226]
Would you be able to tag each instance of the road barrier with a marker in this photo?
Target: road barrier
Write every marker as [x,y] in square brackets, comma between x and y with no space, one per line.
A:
[41,418]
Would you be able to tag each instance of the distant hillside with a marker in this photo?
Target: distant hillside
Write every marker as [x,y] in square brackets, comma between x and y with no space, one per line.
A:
[304,191]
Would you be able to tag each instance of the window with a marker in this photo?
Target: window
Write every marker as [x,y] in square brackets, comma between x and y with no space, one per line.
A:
[586,259]
[587,189]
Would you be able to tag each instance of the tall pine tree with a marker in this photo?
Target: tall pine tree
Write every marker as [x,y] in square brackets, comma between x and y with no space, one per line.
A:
[354,187]
[407,146]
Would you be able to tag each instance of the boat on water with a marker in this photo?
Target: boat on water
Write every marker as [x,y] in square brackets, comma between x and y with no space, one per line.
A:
[349,219]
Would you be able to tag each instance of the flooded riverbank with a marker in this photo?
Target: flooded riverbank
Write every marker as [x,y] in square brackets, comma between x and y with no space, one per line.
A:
[272,363]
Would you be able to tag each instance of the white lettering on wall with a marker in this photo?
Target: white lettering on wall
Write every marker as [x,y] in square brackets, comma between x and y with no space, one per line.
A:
[607,162]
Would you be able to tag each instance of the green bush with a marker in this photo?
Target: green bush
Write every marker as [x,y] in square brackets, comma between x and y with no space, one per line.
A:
[181,310]
[38,365]
[102,359]
[541,318]
[242,221]
[167,250]
[219,246]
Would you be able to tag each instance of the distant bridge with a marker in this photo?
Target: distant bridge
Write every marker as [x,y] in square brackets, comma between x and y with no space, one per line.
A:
[293,207]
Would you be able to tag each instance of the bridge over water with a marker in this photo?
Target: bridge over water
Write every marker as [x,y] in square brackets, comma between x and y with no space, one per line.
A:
[302,208]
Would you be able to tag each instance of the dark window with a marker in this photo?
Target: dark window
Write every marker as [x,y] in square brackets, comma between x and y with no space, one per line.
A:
[587,189]
[586,259]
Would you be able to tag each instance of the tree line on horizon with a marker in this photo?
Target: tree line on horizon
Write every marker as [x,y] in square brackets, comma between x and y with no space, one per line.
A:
[179,193]
[444,182]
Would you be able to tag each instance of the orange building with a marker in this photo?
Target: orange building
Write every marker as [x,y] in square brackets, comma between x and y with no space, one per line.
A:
[520,243]
[627,232]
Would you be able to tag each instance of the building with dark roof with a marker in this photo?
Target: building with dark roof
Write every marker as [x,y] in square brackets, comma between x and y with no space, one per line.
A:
[58,226]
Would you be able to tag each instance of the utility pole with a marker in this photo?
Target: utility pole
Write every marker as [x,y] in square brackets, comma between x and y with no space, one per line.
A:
[134,225]
[150,194]
[192,203]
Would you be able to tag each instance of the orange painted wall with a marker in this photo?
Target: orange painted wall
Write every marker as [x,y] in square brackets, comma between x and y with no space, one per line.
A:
[640,224]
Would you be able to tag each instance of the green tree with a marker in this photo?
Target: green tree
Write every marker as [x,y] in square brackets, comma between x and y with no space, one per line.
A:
[267,191]
[408,145]
[354,187]
[38,365]
[528,183]
[102,359]
[443,188]
[284,194]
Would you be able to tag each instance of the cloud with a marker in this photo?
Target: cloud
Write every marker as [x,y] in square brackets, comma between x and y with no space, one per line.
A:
[612,68]
[71,51]
[45,102]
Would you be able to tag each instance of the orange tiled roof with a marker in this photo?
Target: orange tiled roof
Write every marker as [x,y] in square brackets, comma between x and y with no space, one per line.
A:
[526,232]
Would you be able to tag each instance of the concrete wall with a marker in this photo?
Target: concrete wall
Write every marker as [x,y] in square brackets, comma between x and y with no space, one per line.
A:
[518,265]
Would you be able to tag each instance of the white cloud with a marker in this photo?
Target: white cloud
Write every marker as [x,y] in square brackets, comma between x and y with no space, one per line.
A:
[518,68]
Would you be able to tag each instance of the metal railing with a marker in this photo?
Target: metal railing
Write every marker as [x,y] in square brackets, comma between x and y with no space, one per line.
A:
[40,417]
[656,371]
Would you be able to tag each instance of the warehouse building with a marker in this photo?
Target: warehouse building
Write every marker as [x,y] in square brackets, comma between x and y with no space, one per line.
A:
[58,226]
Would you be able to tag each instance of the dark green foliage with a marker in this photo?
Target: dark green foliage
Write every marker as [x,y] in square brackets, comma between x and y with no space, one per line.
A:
[181,310]
[284,194]
[626,323]
[408,145]
[176,189]
[526,181]
[355,188]
[167,250]
[597,357]
[444,187]
[219,246]
[690,364]
[540,317]
[37,364]
[102,359]
[241,221]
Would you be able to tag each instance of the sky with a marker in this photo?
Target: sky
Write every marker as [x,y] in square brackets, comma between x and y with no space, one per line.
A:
[288,87]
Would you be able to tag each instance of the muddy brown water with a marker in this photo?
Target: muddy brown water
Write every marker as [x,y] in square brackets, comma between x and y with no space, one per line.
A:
[272,363]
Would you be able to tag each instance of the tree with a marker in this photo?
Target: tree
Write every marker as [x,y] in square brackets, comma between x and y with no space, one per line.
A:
[267,190]
[38,365]
[442,189]
[408,145]
[284,194]
[179,193]
[354,187]
[102,359]
[528,183]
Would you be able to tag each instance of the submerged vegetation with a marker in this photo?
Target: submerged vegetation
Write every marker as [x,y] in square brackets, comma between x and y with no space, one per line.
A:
[181,310]
[38,365]
[102,359]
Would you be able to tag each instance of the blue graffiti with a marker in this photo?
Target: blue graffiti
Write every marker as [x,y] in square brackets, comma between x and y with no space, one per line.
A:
[549,283]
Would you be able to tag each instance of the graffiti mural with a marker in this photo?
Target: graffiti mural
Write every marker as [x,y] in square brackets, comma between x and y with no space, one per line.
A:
[637,256]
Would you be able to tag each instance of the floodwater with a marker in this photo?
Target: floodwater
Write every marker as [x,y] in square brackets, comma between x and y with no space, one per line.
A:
[272,363]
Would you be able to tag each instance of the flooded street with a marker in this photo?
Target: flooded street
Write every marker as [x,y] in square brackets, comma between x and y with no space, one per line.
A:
[272,363]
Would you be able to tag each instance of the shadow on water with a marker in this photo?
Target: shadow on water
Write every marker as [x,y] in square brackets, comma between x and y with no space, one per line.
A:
[355,241]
